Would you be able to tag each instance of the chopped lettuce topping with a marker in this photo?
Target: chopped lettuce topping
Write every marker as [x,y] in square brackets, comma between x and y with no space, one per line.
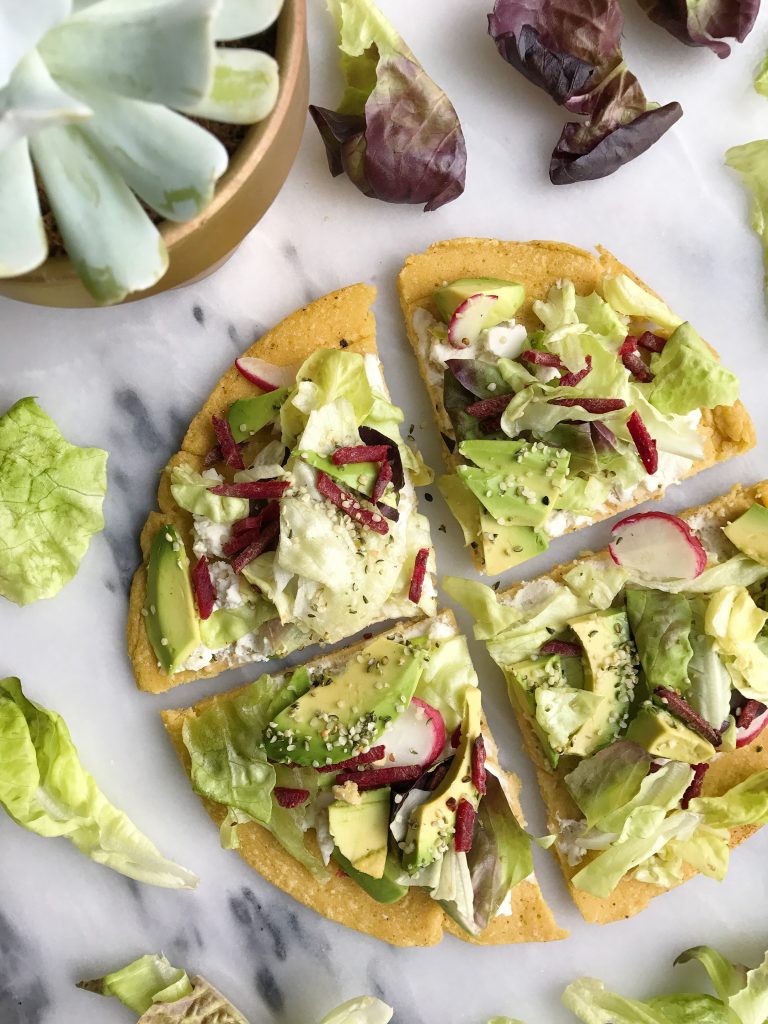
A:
[45,789]
[192,492]
[51,496]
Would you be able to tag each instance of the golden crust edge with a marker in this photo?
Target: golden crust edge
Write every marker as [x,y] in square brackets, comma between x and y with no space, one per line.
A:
[414,921]
[728,430]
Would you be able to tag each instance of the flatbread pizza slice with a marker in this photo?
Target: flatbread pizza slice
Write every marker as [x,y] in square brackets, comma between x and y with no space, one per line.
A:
[366,785]
[639,679]
[289,516]
[564,388]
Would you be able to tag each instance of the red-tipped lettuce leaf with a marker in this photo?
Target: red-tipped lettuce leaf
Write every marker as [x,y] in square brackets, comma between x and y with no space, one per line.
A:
[395,134]
[570,48]
[704,22]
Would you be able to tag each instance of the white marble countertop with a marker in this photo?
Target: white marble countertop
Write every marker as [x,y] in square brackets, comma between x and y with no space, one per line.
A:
[129,379]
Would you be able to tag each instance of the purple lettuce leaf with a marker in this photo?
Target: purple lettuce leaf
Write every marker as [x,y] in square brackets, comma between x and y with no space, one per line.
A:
[704,22]
[395,134]
[571,50]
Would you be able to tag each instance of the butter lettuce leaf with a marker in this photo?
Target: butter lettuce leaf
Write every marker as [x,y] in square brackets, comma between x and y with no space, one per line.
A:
[751,162]
[395,133]
[744,804]
[688,376]
[608,780]
[661,625]
[151,978]
[362,1010]
[45,789]
[192,492]
[51,497]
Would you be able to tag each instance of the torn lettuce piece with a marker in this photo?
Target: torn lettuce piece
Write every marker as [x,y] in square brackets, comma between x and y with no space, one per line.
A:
[164,994]
[45,789]
[395,133]
[192,492]
[661,625]
[573,53]
[705,22]
[687,376]
[751,162]
[361,1010]
[51,497]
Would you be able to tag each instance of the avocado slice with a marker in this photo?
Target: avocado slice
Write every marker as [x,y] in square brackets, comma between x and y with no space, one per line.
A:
[173,627]
[609,671]
[523,679]
[507,546]
[517,483]
[663,735]
[248,416]
[750,533]
[450,296]
[385,889]
[361,830]
[431,825]
[344,714]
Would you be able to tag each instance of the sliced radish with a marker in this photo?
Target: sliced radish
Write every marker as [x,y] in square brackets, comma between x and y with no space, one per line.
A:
[266,375]
[752,719]
[417,736]
[657,546]
[469,319]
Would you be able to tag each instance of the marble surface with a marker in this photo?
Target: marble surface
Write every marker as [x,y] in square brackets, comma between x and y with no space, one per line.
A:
[129,379]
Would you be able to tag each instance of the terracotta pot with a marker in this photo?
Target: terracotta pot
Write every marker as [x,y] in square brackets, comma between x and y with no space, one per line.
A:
[255,175]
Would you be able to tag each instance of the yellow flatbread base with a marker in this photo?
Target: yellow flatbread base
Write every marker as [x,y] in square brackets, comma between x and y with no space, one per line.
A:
[342,319]
[727,770]
[726,431]
[416,920]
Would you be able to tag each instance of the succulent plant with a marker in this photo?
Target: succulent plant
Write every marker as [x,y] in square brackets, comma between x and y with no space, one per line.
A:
[93,98]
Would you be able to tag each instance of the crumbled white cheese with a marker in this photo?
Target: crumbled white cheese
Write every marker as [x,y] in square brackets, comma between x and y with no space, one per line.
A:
[505,340]
[560,521]
[209,537]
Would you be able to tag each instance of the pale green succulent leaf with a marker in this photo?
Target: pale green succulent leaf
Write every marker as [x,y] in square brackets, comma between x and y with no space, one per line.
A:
[23,25]
[240,18]
[155,50]
[169,161]
[33,101]
[23,245]
[244,89]
[112,243]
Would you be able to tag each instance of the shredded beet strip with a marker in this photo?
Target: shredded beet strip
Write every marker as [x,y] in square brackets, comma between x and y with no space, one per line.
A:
[372,778]
[562,648]
[694,790]
[683,710]
[456,737]
[212,456]
[240,541]
[490,425]
[256,548]
[205,592]
[288,797]
[253,489]
[489,406]
[570,380]
[360,453]
[532,355]
[749,712]
[419,572]
[631,358]
[349,505]
[374,754]
[384,477]
[227,443]
[645,444]
[479,773]
[653,342]
[465,827]
[596,405]
[267,515]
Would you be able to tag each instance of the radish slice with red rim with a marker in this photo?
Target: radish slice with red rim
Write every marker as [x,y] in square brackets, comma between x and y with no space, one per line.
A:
[417,736]
[752,719]
[469,319]
[266,375]
[656,545]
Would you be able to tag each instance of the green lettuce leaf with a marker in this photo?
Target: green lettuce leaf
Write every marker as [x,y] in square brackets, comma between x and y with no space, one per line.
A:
[490,615]
[324,377]
[592,1003]
[289,825]
[192,492]
[745,992]
[51,496]
[727,978]
[751,162]
[661,625]
[362,1010]
[562,710]
[691,1008]
[626,296]
[44,788]
[608,780]
[596,582]
[740,570]
[151,978]
[444,678]
[744,804]
[709,692]
[687,376]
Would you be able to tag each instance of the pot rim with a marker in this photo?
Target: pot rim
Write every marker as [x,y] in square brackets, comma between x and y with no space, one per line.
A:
[289,51]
